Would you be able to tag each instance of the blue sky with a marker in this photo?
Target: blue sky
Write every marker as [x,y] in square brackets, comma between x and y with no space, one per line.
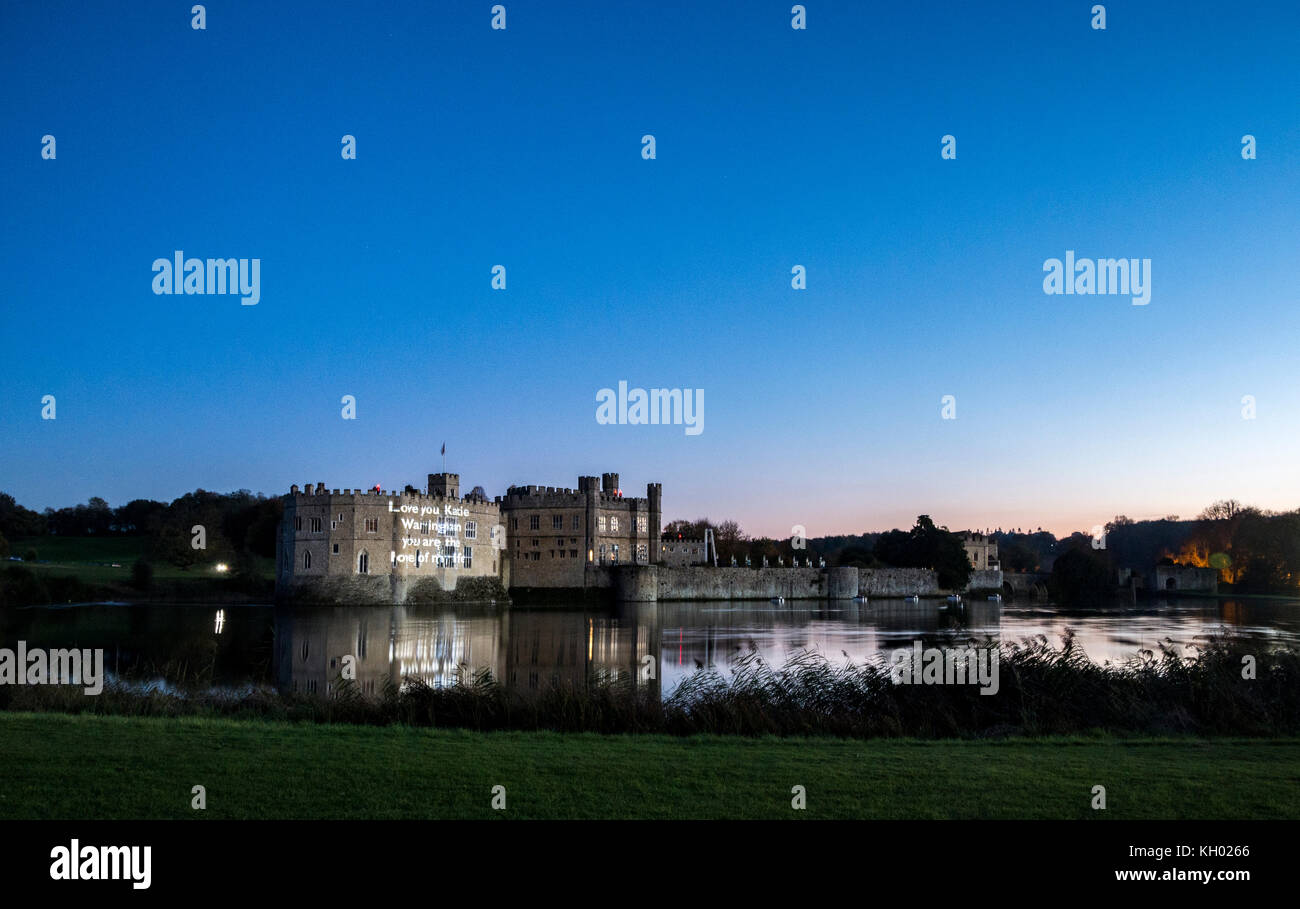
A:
[775,147]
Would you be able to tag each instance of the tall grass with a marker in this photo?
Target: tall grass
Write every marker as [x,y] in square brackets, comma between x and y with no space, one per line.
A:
[1043,690]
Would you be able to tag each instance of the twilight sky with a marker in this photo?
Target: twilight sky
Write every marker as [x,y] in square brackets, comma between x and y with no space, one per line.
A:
[775,148]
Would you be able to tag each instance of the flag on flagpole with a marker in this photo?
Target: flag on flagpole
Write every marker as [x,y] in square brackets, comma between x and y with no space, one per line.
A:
[444,447]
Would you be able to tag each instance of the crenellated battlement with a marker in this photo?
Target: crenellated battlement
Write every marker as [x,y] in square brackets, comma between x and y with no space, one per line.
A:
[604,491]
[317,494]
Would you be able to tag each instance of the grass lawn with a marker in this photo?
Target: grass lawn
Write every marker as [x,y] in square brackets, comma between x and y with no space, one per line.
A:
[86,767]
[91,559]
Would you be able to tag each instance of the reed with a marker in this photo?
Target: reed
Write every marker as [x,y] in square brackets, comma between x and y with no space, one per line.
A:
[1043,690]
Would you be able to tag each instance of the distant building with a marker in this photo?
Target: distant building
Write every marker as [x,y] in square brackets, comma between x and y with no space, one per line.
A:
[1171,578]
[981,549]
[676,551]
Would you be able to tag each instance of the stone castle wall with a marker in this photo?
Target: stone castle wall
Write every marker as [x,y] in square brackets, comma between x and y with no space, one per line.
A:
[701,582]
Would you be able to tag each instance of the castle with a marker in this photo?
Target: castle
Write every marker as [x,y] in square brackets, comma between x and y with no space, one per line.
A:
[371,546]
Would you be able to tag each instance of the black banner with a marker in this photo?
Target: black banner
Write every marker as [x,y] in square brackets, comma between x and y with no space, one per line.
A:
[327,859]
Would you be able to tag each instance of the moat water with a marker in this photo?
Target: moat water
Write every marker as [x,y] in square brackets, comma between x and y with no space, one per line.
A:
[237,647]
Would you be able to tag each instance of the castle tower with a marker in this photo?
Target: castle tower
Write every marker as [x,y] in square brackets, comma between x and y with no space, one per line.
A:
[444,485]
[590,488]
[654,492]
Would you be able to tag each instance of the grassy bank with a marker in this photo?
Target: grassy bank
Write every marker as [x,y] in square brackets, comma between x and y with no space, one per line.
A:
[85,569]
[60,766]
[93,558]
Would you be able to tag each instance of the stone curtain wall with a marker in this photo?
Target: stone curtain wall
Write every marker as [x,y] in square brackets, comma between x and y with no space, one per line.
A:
[700,582]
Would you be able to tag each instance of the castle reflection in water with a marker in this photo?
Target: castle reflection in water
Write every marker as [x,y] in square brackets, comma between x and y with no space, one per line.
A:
[655,646]
[235,647]
[526,650]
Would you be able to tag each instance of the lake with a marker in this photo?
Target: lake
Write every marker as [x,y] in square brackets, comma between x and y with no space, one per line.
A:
[236,647]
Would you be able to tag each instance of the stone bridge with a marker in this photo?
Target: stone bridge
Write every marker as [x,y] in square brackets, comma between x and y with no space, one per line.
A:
[1031,584]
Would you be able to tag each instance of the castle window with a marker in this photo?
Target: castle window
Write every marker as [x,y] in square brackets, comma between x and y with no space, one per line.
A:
[613,525]
[600,524]
[602,553]
[340,517]
[557,522]
[306,559]
[372,525]
[615,558]
[471,530]
[642,553]
[514,523]
[468,557]
[534,522]
[577,518]
[363,563]
[536,542]
[297,523]
[537,556]
[641,523]
[316,524]
[334,525]
[336,548]
[573,553]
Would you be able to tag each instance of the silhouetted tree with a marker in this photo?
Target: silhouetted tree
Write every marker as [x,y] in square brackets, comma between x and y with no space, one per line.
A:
[1081,575]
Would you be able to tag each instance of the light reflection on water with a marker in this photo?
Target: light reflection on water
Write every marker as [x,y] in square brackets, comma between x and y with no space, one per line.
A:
[708,634]
[235,649]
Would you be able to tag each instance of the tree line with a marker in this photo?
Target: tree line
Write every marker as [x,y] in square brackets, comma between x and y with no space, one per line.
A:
[237,526]
[1254,550]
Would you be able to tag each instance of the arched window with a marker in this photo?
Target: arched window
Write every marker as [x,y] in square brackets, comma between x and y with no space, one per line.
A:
[363,563]
[306,559]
